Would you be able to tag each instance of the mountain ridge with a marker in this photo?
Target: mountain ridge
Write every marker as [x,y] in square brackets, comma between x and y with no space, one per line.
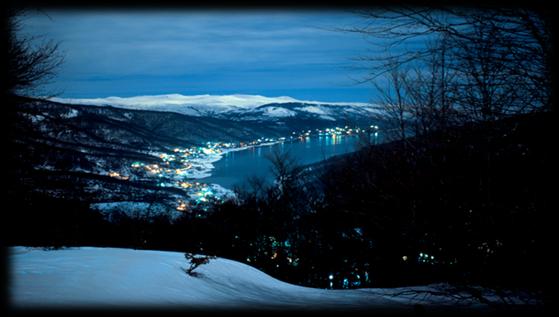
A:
[238,107]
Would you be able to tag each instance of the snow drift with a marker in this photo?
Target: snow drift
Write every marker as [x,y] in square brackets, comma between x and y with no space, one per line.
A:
[111,277]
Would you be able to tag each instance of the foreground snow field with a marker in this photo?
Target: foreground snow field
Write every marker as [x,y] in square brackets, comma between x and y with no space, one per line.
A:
[111,277]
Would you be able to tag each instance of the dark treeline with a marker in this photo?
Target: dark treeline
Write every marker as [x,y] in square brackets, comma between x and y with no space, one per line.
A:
[466,206]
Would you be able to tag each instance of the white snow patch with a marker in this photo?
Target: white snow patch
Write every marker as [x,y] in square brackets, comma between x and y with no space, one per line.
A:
[278,112]
[323,112]
[203,165]
[109,277]
[200,105]
[71,114]
[35,118]
[222,192]
[327,118]
[313,109]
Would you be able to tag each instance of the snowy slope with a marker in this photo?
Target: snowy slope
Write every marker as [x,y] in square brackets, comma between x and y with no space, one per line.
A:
[242,107]
[110,277]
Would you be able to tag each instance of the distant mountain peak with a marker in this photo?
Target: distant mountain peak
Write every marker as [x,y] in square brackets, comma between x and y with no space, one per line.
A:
[243,106]
[236,100]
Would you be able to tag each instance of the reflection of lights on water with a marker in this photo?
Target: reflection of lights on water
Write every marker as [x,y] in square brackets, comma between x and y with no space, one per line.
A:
[177,162]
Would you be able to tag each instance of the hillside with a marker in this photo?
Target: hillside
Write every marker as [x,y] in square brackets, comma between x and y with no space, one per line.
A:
[473,199]
[145,128]
[109,158]
[238,107]
[102,278]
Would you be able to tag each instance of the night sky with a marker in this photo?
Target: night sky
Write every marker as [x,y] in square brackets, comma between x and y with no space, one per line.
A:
[270,53]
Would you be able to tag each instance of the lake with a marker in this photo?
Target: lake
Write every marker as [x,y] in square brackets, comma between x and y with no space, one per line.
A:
[235,167]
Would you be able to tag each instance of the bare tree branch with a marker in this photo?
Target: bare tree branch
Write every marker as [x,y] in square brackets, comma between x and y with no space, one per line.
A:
[469,64]
[30,63]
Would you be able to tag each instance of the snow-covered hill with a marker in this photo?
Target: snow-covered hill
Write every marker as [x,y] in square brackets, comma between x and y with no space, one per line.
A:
[239,107]
[110,277]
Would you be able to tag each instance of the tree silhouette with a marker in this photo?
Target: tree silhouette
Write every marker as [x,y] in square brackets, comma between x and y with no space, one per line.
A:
[29,62]
[195,262]
[492,62]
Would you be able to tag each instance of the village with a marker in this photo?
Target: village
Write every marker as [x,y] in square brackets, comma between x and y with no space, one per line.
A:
[183,167]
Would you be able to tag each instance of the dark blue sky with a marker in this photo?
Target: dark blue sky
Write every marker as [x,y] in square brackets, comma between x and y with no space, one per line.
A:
[271,53]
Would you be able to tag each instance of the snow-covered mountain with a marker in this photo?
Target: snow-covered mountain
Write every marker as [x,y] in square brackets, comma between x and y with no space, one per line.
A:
[238,107]
[86,143]
[111,277]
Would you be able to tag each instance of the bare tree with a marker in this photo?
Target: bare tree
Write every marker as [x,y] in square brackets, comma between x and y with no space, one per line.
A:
[394,103]
[489,84]
[498,58]
[430,93]
[289,193]
[195,261]
[285,169]
[418,100]
[29,63]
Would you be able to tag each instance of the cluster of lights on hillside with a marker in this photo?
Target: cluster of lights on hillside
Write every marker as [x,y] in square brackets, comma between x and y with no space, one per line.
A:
[118,176]
[179,166]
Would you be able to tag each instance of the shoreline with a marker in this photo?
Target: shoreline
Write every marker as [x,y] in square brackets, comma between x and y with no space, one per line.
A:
[200,175]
